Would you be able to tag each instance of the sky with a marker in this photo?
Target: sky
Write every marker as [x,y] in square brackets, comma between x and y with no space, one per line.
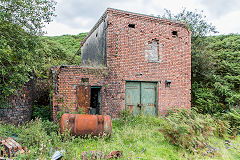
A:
[78,16]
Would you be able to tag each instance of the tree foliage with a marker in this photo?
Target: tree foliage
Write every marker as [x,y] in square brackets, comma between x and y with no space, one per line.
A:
[224,82]
[194,20]
[31,15]
[20,47]
[215,64]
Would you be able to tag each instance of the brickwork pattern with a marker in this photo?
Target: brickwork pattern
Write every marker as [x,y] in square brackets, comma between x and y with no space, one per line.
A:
[20,109]
[68,78]
[127,60]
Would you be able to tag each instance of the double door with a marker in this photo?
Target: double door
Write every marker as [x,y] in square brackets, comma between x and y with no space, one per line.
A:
[141,97]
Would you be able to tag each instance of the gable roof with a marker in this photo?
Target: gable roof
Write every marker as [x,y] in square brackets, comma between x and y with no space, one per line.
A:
[131,14]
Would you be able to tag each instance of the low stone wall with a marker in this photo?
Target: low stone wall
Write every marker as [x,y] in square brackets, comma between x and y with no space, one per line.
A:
[20,109]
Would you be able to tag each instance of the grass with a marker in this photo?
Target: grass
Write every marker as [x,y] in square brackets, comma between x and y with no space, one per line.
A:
[137,137]
[64,48]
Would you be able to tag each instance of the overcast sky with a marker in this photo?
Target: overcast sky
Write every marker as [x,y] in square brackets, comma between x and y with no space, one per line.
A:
[77,16]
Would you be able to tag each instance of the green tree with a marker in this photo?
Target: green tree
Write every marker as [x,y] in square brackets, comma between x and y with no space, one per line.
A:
[215,64]
[21,21]
[200,28]
[31,15]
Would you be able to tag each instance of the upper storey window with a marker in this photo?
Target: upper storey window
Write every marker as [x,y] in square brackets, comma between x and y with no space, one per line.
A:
[153,51]
[131,25]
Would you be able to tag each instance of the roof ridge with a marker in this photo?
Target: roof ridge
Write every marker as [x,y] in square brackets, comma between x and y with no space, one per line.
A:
[164,21]
[141,14]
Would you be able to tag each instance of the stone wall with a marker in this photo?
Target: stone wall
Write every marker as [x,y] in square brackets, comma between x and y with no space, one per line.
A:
[20,108]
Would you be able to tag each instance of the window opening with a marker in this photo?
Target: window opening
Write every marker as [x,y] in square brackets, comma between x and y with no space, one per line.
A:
[131,25]
[85,80]
[168,83]
[174,33]
[153,50]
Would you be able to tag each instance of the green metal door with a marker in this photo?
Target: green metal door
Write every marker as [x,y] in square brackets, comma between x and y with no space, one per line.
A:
[141,97]
[148,98]
[133,97]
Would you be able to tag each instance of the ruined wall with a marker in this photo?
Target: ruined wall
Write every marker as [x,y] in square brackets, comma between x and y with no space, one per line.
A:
[130,38]
[67,78]
[20,108]
[94,49]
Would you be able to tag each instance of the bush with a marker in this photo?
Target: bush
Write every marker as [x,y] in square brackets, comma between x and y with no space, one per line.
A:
[50,126]
[42,112]
[126,115]
[233,117]
[191,130]
[37,136]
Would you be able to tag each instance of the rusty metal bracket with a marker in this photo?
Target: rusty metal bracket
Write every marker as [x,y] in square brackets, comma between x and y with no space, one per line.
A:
[140,105]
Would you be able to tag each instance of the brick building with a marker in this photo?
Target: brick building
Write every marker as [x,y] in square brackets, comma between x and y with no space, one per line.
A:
[129,61]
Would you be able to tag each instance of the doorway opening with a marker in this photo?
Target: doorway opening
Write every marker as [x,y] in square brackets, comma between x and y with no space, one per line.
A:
[95,101]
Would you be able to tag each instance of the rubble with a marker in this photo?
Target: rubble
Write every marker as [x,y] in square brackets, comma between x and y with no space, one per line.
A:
[86,155]
[57,155]
[114,154]
[11,147]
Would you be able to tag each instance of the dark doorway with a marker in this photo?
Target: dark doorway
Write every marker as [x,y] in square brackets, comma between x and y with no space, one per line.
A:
[95,103]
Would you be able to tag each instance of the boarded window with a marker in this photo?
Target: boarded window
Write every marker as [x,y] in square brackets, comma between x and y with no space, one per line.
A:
[153,51]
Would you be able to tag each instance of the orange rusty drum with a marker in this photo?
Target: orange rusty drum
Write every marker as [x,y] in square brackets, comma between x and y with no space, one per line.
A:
[83,124]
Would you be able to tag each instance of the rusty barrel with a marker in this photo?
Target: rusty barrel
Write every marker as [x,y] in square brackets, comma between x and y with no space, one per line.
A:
[83,124]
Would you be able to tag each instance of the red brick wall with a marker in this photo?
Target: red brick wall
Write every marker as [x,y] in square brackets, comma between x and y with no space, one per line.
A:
[126,59]
[68,78]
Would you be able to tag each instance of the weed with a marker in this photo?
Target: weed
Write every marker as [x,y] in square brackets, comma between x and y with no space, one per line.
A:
[233,117]
[42,112]
[136,136]
[190,130]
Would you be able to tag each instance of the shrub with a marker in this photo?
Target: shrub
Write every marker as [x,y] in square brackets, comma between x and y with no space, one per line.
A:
[50,126]
[191,130]
[204,99]
[233,117]
[42,112]
[126,115]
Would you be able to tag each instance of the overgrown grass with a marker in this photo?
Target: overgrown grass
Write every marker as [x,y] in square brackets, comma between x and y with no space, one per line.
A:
[66,45]
[137,137]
